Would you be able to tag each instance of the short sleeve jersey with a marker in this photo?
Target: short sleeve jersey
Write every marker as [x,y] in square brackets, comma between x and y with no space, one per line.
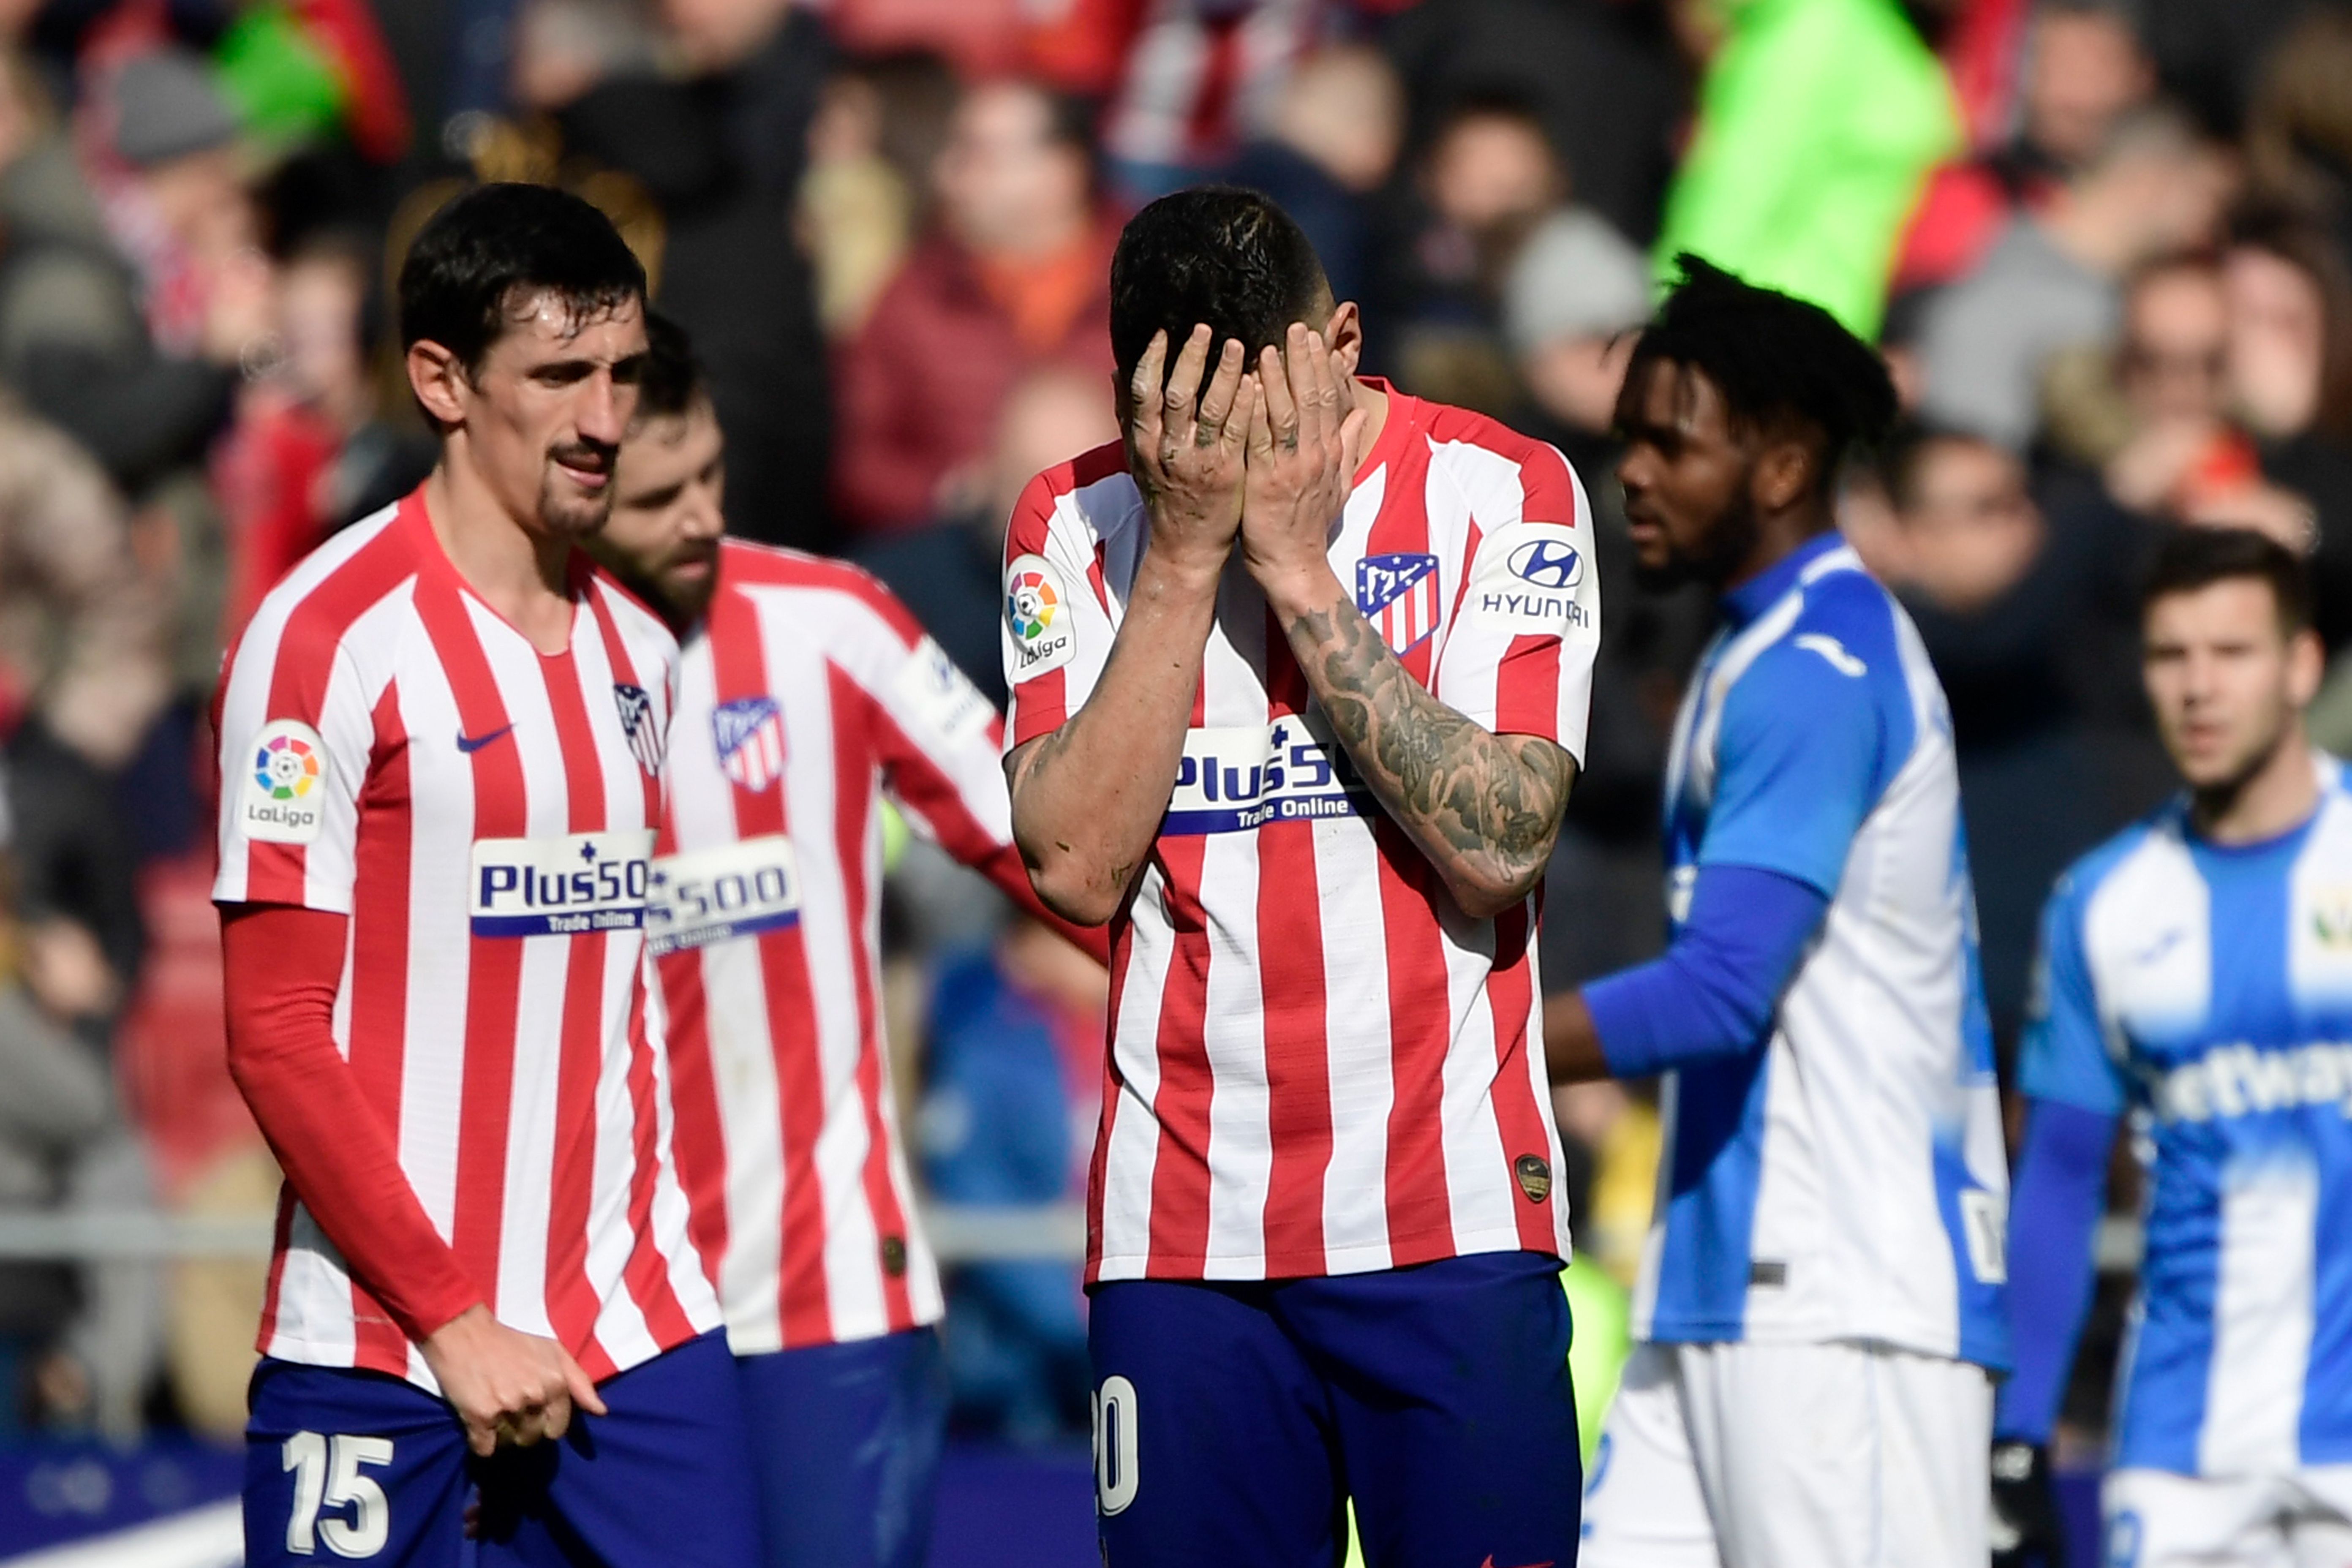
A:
[806,692]
[1318,1063]
[1849,1181]
[393,751]
[2207,989]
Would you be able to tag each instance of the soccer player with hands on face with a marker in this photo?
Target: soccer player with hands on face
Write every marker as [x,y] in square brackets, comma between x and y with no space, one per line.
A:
[1299,671]
[487,1334]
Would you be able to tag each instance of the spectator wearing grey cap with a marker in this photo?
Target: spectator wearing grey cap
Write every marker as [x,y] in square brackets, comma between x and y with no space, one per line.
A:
[1573,295]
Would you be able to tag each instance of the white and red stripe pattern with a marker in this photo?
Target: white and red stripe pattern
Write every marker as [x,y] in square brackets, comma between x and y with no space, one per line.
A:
[772,868]
[1318,1063]
[473,790]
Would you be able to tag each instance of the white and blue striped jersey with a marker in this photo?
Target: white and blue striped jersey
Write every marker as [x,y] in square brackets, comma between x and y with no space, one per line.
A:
[2208,989]
[1849,1181]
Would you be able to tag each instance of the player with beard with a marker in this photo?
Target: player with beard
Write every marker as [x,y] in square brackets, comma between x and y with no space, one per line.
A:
[805,692]
[487,1334]
[1821,1298]
[2197,974]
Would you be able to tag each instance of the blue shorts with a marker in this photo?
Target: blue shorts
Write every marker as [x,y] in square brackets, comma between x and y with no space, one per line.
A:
[846,1450]
[1233,1421]
[354,1464]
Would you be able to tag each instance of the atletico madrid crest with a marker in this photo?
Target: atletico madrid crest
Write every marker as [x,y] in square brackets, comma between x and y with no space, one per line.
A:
[1398,594]
[749,734]
[639,724]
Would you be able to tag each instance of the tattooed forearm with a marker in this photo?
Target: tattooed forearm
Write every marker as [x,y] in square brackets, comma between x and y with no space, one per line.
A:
[1484,808]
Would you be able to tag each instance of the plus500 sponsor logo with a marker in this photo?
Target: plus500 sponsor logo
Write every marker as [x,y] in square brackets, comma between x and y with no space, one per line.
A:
[571,886]
[2243,1080]
[1231,779]
[729,890]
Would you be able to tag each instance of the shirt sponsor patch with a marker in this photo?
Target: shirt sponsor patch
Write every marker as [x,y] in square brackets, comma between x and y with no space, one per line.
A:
[1037,614]
[284,797]
[748,735]
[569,886]
[728,890]
[1526,579]
[1399,594]
[940,695]
[1235,779]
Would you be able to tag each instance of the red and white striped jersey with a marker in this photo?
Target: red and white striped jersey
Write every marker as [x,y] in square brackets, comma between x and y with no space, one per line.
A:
[805,692]
[394,750]
[1318,1063]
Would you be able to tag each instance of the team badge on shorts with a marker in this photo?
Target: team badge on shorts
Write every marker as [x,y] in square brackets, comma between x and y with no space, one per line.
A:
[1398,594]
[749,734]
[639,724]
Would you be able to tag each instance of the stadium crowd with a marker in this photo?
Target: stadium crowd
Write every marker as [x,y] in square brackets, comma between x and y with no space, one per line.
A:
[2106,245]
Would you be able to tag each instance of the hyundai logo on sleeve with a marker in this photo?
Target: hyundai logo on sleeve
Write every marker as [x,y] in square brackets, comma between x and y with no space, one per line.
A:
[1547,564]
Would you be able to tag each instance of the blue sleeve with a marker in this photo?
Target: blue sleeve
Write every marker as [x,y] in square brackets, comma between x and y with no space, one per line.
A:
[2063,1054]
[1800,759]
[1713,992]
[2053,1213]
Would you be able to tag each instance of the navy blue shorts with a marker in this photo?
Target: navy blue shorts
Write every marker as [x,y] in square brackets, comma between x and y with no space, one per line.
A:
[846,1450]
[1233,1421]
[354,1464]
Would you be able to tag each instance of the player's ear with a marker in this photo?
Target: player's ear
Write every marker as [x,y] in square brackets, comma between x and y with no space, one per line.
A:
[438,380]
[1344,334]
[2306,665]
[1784,474]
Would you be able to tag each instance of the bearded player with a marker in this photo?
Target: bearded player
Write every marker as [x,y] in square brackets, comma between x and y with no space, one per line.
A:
[806,691]
[1819,1302]
[440,745]
[2197,974]
[1299,676]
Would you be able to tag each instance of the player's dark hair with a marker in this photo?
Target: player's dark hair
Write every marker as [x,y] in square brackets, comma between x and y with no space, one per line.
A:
[2191,558]
[670,384]
[1229,258]
[1780,362]
[495,246]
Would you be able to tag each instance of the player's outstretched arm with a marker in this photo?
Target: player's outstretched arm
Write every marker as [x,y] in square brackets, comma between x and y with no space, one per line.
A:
[1089,797]
[1484,807]
[283,967]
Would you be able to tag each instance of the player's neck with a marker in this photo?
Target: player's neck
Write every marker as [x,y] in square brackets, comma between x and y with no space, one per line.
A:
[517,571]
[1778,536]
[2275,798]
[1375,405]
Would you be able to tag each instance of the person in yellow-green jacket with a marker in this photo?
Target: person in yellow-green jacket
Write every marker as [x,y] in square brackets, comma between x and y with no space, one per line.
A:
[1818,124]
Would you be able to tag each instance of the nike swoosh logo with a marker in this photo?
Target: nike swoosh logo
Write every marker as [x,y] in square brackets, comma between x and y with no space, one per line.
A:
[2158,949]
[469,744]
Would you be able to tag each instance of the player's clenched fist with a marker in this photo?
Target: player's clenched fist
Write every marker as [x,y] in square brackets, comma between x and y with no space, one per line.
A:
[1184,444]
[510,1388]
[1306,438]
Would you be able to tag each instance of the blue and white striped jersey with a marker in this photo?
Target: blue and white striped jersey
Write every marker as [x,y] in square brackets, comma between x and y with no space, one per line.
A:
[2208,989]
[1848,1182]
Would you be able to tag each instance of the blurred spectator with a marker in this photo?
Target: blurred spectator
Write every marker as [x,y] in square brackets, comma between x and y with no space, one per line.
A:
[878,130]
[2083,67]
[1016,1089]
[2299,136]
[951,573]
[765,60]
[1488,178]
[2051,282]
[727,270]
[1603,78]
[1332,147]
[2209,54]
[2007,607]
[1200,77]
[1818,122]
[1015,274]
[82,624]
[1574,295]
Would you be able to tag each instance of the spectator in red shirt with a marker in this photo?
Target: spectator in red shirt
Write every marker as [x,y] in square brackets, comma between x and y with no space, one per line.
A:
[1014,276]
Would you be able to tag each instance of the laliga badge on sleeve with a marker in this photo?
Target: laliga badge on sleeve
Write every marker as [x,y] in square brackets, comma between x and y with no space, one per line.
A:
[283,798]
[1037,614]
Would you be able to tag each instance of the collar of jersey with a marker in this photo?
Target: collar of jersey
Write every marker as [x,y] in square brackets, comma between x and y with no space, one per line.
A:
[1760,593]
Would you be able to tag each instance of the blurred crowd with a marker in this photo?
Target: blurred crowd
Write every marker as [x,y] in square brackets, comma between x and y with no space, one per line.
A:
[2103,243]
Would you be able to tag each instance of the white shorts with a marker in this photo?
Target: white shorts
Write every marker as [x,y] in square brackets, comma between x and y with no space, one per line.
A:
[1771,1456]
[2301,1519]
